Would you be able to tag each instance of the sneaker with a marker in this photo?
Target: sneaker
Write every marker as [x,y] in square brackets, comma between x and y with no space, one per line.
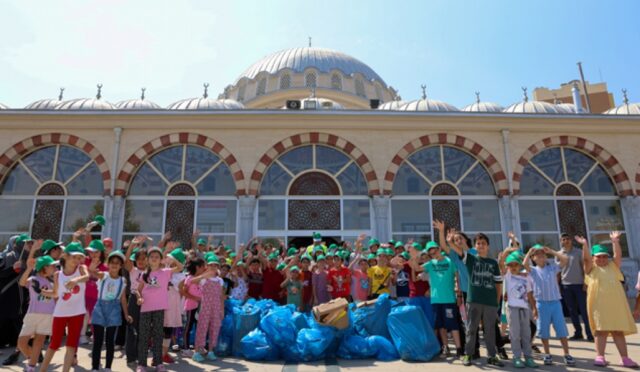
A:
[590,338]
[600,361]
[211,356]
[503,353]
[459,353]
[186,353]
[29,368]
[466,360]
[444,351]
[576,338]
[548,360]
[529,362]
[536,349]
[518,363]
[161,368]
[140,368]
[494,361]
[167,359]
[568,360]
[197,357]
[12,358]
[175,347]
[627,362]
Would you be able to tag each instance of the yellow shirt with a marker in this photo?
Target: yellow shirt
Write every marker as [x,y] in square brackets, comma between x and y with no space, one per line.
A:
[378,276]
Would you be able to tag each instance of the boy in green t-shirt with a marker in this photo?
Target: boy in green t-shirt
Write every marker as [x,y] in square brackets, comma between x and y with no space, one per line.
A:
[483,295]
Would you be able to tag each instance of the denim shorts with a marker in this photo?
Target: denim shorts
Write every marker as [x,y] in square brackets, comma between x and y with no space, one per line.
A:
[107,313]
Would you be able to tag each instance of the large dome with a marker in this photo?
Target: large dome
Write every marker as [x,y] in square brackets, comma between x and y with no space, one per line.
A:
[88,104]
[138,104]
[299,59]
[47,103]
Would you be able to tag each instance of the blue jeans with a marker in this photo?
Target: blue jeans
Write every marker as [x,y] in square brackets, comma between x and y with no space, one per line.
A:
[576,300]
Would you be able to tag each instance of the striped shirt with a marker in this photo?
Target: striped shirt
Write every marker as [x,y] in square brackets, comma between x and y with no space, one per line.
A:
[545,282]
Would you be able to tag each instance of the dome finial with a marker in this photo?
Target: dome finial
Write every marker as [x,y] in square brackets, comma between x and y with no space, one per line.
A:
[424,91]
[142,94]
[309,41]
[206,90]
[60,95]
[625,99]
[477,97]
[99,95]
[525,98]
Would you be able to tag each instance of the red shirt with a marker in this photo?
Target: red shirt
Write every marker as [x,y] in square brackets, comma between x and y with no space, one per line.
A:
[255,284]
[271,280]
[340,280]
[307,290]
[416,288]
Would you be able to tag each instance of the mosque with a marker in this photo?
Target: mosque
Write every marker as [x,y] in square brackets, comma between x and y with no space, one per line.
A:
[314,140]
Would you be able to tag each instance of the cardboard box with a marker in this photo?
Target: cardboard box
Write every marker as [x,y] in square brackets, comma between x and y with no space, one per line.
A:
[366,303]
[333,313]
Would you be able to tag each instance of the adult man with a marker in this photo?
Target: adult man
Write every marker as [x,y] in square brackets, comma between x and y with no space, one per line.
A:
[573,292]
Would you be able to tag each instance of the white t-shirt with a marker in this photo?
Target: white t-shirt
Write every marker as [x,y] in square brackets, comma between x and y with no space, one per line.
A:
[70,301]
[517,287]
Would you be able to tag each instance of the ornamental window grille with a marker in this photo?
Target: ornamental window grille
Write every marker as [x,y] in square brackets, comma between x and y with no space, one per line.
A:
[285,81]
[310,80]
[262,87]
[360,88]
[336,82]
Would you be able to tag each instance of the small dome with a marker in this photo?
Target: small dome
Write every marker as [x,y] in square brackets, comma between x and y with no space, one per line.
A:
[205,103]
[566,108]
[426,104]
[316,103]
[47,103]
[625,108]
[138,104]
[87,104]
[534,107]
[391,105]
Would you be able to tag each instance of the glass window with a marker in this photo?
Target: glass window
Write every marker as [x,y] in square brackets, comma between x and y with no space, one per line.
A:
[411,215]
[88,182]
[419,238]
[271,214]
[262,87]
[15,215]
[298,159]
[598,183]
[604,215]
[217,216]
[550,162]
[199,160]
[456,163]
[477,182]
[428,162]
[143,215]
[532,183]
[169,163]
[147,182]
[537,215]
[218,182]
[408,182]
[41,162]
[360,88]
[275,181]
[336,82]
[578,164]
[19,182]
[550,240]
[330,160]
[80,212]
[352,181]
[356,215]
[310,80]
[481,215]
[70,161]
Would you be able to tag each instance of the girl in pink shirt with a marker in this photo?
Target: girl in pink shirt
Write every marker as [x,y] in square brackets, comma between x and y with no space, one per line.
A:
[211,311]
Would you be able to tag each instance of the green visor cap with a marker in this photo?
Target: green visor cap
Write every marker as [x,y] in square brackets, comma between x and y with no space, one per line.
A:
[48,245]
[417,246]
[538,246]
[317,237]
[399,245]
[371,256]
[294,268]
[305,257]
[281,266]
[178,255]
[405,255]
[99,219]
[514,257]
[272,256]
[116,254]
[431,245]
[44,261]
[292,251]
[320,257]
[96,245]
[202,242]
[373,241]
[74,249]
[599,250]
[212,259]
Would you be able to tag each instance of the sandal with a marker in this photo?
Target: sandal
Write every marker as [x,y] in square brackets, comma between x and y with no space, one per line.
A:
[600,361]
[627,362]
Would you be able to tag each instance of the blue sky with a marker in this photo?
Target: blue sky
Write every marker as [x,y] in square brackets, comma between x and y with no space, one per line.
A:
[454,47]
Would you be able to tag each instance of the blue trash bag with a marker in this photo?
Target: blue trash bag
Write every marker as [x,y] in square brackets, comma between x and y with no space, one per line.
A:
[230,303]
[424,303]
[265,306]
[372,320]
[383,348]
[256,346]
[225,339]
[313,342]
[245,320]
[355,347]
[300,321]
[412,334]
[279,328]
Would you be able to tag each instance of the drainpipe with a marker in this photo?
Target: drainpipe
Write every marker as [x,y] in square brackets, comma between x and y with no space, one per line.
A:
[114,210]
[507,158]
[507,203]
[116,156]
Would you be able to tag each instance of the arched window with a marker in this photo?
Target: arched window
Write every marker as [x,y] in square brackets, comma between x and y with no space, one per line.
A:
[285,81]
[360,88]
[313,188]
[180,189]
[565,190]
[262,86]
[50,193]
[336,82]
[445,183]
[310,80]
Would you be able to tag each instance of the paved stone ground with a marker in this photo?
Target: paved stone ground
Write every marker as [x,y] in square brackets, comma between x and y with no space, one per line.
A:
[582,351]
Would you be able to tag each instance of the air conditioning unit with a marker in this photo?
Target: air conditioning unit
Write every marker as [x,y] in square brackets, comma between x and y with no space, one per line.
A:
[293,104]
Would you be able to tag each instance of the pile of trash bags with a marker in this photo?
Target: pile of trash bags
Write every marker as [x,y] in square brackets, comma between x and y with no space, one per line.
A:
[264,331]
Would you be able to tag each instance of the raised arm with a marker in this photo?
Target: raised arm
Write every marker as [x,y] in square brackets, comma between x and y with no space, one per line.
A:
[413,262]
[502,258]
[452,245]
[617,249]
[527,260]
[586,254]
[439,225]
[563,259]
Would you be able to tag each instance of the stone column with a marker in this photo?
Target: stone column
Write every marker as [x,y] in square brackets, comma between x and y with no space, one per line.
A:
[116,220]
[247,208]
[506,215]
[381,228]
[107,229]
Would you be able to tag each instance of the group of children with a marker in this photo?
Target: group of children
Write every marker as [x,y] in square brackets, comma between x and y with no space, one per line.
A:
[163,291]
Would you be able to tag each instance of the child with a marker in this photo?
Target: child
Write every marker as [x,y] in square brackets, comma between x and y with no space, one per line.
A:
[95,263]
[107,311]
[606,301]
[319,281]
[306,276]
[379,276]
[68,315]
[211,310]
[254,277]
[192,293]
[485,287]
[153,298]
[519,298]
[443,275]
[135,264]
[293,285]
[340,278]
[359,277]
[271,276]
[37,321]
[173,313]
[239,276]
[547,294]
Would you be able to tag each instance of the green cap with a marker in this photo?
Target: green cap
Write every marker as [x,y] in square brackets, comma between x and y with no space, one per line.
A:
[227,248]
[294,268]
[405,255]
[74,248]
[202,242]
[23,238]
[212,259]
[292,251]
[48,245]
[431,245]
[233,255]
[398,245]
[371,256]
[417,246]
[330,254]
[305,257]
[272,256]
[538,246]
[381,252]
[43,261]
[155,249]
[99,219]
[333,247]
[178,255]
[514,257]
[373,241]
[116,254]
[96,245]
[281,266]
[599,250]
[317,237]
[133,254]
[320,257]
